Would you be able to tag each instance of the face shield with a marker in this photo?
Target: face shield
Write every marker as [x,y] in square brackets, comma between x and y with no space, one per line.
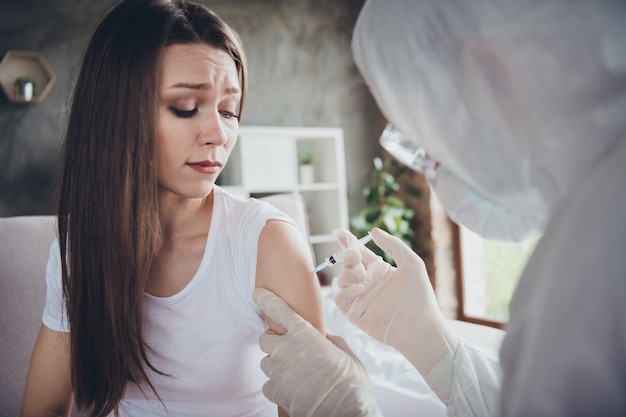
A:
[464,204]
[515,101]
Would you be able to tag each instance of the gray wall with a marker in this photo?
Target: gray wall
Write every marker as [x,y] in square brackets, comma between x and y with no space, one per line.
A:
[301,74]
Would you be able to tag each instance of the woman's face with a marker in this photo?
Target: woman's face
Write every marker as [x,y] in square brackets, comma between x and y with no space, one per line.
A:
[197,122]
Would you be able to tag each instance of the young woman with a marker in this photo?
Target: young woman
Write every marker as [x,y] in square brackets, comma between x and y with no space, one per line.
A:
[149,305]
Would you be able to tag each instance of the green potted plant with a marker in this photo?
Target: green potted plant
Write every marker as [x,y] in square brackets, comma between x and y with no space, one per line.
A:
[306,167]
[383,208]
[24,88]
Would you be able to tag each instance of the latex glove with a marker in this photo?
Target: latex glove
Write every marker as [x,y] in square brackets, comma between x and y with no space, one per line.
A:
[395,305]
[310,374]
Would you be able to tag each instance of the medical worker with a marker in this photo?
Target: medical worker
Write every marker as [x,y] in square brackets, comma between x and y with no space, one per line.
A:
[520,106]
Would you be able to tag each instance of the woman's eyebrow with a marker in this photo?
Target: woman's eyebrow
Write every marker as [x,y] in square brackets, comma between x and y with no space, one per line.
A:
[201,86]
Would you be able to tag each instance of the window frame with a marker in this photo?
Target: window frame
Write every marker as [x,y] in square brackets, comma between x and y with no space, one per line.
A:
[460,284]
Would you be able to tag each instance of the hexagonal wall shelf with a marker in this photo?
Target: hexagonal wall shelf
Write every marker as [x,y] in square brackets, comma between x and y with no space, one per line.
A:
[26,64]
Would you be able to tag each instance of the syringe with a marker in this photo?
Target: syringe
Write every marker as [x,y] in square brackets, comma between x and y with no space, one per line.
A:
[338,256]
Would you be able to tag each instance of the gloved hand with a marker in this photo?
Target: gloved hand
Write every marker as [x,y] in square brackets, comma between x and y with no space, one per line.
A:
[395,305]
[309,374]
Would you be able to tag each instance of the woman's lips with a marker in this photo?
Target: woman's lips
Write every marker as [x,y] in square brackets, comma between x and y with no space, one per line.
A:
[205,167]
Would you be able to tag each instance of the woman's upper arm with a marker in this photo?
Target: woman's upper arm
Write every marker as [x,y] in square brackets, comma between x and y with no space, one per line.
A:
[48,384]
[285,267]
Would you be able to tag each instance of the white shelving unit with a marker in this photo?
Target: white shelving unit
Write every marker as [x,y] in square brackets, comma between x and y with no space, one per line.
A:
[265,161]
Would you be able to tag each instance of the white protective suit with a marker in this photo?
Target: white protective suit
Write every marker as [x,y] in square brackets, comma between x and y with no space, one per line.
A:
[526,101]
[523,104]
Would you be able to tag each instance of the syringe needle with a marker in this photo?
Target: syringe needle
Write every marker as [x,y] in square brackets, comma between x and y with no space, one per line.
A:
[338,256]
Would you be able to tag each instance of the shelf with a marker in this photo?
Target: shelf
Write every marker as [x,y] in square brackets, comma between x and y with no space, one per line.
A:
[265,161]
[317,239]
[32,65]
[318,186]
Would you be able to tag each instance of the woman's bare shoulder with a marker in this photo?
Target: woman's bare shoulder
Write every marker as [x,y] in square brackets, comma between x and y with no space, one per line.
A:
[285,267]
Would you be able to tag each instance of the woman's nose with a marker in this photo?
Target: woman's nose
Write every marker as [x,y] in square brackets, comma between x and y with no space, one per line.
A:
[213,131]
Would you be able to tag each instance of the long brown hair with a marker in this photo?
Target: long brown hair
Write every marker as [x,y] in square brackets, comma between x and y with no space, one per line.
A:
[109,227]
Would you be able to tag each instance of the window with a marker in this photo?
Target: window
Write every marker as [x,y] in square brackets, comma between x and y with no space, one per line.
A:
[488,272]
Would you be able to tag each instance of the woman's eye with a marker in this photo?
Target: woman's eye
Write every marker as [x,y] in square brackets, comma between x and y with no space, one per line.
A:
[229,114]
[185,114]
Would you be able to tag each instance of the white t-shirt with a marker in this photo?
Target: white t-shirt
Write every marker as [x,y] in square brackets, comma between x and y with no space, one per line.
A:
[205,336]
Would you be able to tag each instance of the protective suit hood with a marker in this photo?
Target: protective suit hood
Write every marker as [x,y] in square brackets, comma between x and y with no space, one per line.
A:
[516,99]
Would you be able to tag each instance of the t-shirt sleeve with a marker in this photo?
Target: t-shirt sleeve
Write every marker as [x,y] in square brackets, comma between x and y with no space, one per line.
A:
[54,315]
